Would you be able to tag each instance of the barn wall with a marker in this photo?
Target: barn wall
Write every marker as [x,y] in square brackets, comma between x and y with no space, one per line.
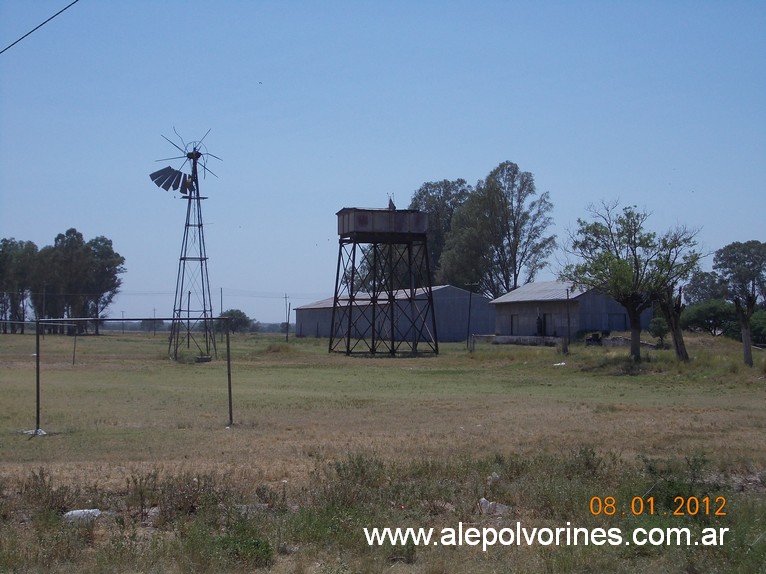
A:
[600,312]
[313,322]
[451,310]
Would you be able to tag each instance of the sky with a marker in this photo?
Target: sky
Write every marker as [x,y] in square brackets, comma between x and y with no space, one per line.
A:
[316,106]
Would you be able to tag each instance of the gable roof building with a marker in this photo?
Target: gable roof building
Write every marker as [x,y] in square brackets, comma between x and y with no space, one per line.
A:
[554,309]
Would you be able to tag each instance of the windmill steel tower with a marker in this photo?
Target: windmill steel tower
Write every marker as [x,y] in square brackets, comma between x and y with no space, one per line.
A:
[383,298]
[192,322]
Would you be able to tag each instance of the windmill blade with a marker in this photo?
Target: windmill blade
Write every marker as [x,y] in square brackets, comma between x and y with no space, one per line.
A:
[166,177]
[215,156]
[177,180]
[161,176]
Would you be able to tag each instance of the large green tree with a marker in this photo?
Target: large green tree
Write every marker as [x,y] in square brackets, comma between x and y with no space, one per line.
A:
[440,200]
[499,237]
[72,265]
[103,280]
[238,321]
[714,316]
[704,286]
[465,261]
[742,267]
[636,267]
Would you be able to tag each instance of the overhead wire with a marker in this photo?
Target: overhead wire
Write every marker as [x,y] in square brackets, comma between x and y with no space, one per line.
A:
[39,26]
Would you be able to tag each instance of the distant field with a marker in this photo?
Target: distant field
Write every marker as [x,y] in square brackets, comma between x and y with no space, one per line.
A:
[555,430]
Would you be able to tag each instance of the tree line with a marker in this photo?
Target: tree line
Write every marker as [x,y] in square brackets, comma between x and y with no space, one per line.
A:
[71,278]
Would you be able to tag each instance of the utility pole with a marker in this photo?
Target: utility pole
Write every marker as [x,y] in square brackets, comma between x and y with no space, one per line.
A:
[287,319]
[569,326]
[471,287]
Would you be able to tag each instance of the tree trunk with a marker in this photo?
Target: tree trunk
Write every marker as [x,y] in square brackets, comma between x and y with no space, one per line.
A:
[747,337]
[678,340]
[671,308]
[747,343]
[635,335]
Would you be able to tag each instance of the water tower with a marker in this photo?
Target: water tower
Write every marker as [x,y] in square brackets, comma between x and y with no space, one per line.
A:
[383,300]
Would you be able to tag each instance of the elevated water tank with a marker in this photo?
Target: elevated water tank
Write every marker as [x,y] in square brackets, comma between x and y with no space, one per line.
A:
[354,221]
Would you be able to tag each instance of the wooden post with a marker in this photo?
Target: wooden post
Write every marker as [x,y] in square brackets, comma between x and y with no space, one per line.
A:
[228,370]
[37,375]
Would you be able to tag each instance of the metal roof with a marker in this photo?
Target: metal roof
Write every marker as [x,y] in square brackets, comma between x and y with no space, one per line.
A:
[542,291]
[361,297]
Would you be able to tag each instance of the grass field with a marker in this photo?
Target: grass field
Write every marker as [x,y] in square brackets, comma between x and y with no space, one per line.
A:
[324,445]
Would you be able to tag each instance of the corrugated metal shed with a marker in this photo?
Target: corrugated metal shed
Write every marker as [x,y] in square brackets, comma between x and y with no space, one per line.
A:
[450,305]
[543,309]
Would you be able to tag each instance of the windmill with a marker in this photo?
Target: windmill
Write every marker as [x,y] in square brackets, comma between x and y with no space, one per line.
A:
[192,322]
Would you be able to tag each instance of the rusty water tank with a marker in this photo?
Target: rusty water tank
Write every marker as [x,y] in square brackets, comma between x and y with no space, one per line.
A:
[385,222]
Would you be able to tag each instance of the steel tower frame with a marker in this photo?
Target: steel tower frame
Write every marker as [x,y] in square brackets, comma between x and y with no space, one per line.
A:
[383,299]
[192,307]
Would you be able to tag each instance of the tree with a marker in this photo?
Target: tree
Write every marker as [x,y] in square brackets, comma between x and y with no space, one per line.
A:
[742,267]
[498,237]
[676,260]
[17,259]
[704,286]
[630,264]
[72,263]
[238,322]
[45,299]
[714,316]
[465,259]
[440,200]
[102,282]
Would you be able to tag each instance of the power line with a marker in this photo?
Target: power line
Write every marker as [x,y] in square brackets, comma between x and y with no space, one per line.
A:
[39,26]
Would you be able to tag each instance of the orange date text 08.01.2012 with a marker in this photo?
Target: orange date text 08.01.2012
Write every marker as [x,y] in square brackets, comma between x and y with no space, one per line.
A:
[639,505]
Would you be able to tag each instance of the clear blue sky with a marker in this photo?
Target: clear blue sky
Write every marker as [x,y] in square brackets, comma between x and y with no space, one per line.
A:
[315,106]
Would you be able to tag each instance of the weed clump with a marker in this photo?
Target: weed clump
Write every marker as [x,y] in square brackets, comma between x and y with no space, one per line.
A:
[39,492]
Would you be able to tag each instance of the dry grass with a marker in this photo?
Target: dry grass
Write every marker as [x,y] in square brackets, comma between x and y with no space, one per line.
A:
[123,404]
[123,411]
